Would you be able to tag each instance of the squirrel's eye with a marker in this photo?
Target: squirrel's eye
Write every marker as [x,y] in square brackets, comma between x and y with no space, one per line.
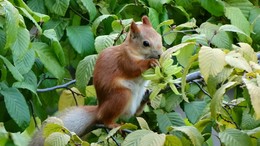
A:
[146,43]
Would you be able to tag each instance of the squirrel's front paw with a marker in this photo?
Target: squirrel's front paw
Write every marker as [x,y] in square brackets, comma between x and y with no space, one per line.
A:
[154,63]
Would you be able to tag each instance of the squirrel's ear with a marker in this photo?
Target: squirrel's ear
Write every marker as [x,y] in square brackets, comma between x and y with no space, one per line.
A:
[134,29]
[146,21]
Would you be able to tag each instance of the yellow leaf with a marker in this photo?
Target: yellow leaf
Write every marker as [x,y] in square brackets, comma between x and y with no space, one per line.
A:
[253,87]
[211,61]
[236,60]
[67,98]
[248,52]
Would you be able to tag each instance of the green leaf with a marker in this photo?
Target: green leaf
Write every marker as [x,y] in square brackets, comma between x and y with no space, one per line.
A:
[249,122]
[16,106]
[158,5]
[21,44]
[101,18]
[248,52]
[51,34]
[82,39]
[29,82]
[16,74]
[58,7]
[37,6]
[198,38]
[84,72]
[119,25]
[29,16]
[88,6]
[57,139]
[233,28]
[153,17]
[172,140]
[215,7]
[244,5]
[168,53]
[184,75]
[220,39]
[184,3]
[165,23]
[104,41]
[54,124]
[143,124]
[23,57]
[11,23]
[239,20]
[2,38]
[24,62]
[211,61]
[216,102]
[48,58]
[169,35]
[254,19]
[224,74]
[153,139]
[165,120]
[234,137]
[194,135]
[134,138]
[253,88]
[59,25]
[237,61]
[185,54]
[194,110]
[254,132]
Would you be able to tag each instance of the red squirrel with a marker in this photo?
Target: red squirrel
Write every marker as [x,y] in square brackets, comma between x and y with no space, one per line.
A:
[117,80]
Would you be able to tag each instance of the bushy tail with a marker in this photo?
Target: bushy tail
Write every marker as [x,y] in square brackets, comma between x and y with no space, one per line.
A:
[77,119]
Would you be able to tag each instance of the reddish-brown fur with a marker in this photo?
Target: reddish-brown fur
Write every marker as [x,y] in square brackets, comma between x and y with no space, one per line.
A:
[119,63]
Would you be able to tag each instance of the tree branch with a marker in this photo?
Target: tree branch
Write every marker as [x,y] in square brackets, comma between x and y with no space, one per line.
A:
[57,87]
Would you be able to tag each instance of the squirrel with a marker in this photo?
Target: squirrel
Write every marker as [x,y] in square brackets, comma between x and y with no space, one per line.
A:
[117,80]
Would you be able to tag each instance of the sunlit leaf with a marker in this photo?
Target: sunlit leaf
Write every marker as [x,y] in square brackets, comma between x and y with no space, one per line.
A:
[57,139]
[236,60]
[143,124]
[237,18]
[254,90]
[211,61]
[194,135]
[134,138]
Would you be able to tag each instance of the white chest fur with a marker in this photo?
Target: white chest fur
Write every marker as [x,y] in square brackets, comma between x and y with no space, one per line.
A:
[138,88]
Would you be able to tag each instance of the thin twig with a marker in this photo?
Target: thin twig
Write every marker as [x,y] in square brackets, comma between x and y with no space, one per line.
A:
[73,94]
[121,33]
[33,115]
[202,89]
[178,31]
[57,87]
[107,131]
[81,16]
[231,118]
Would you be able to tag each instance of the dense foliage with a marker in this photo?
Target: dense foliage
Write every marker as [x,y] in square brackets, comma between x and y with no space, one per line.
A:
[48,50]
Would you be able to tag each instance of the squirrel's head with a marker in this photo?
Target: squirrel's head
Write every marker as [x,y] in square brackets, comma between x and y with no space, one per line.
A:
[147,42]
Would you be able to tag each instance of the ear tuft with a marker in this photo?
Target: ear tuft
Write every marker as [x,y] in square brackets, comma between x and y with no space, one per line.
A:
[146,21]
[134,28]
